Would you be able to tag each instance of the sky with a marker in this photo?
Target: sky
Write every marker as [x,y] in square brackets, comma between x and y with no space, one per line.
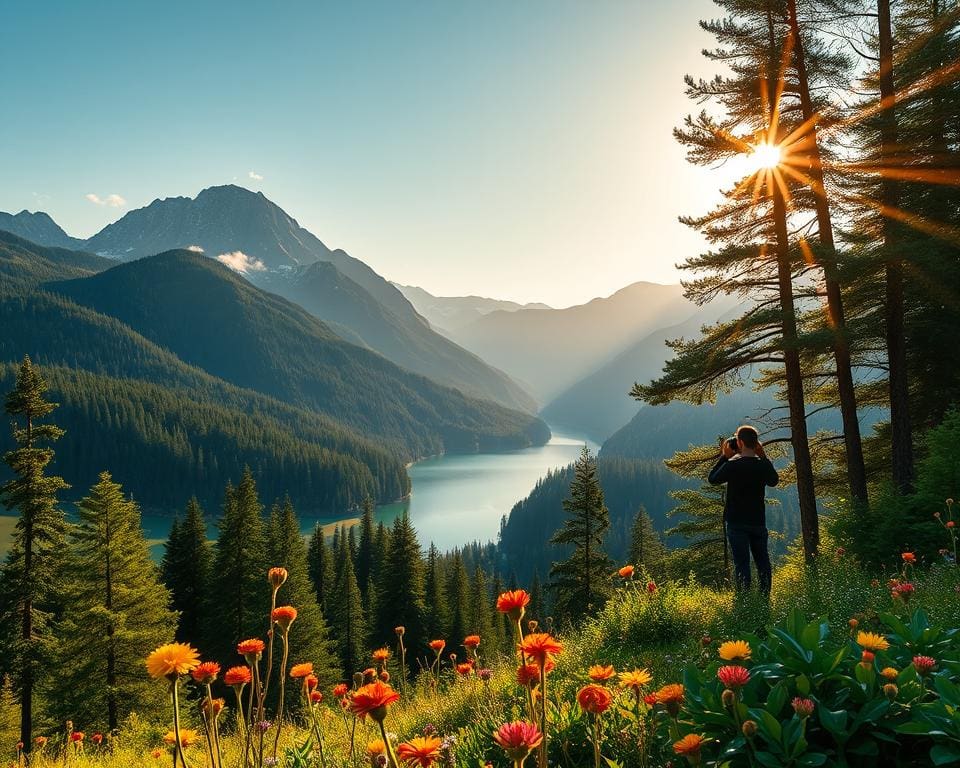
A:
[519,149]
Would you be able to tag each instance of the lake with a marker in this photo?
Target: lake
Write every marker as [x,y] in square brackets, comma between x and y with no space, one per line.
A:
[455,498]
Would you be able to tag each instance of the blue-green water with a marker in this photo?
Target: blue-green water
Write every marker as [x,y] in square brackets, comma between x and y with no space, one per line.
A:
[455,499]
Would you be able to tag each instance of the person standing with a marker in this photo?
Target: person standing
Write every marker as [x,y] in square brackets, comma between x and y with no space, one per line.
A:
[747,472]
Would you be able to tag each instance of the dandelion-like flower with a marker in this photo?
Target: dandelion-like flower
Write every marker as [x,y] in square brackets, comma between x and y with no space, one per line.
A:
[283,616]
[376,748]
[465,669]
[689,746]
[237,676]
[871,641]
[188,738]
[420,751]
[373,699]
[528,675]
[626,572]
[471,642]
[380,655]
[340,689]
[251,649]
[316,697]
[518,739]
[733,676]
[599,673]
[300,671]
[172,660]
[541,647]
[513,603]
[671,696]
[595,699]
[735,650]
[437,646]
[889,673]
[206,672]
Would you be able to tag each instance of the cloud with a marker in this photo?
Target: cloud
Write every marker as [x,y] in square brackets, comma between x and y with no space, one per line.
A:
[254,175]
[238,261]
[111,201]
[195,248]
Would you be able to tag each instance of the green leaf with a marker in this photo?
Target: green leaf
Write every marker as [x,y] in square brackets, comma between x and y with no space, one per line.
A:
[773,761]
[835,722]
[777,698]
[944,754]
[949,692]
[803,685]
[812,759]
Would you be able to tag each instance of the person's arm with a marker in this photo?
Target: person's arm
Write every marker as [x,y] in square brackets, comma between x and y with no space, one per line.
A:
[770,477]
[718,474]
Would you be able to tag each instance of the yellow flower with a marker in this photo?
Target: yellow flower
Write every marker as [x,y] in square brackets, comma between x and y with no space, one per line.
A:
[635,679]
[376,747]
[871,641]
[890,673]
[188,738]
[172,660]
[734,650]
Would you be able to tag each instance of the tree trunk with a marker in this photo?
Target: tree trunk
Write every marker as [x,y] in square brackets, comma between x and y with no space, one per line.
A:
[26,628]
[900,424]
[856,471]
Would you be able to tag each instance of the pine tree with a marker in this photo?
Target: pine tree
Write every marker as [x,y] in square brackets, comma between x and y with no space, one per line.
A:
[346,614]
[435,588]
[31,575]
[647,552]
[458,597]
[480,603]
[239,600]
[500,629]
[116,613]
[186,572]
[320,566]
[364,564]
[309,637]
[538,607]
[581,583]
[402,589]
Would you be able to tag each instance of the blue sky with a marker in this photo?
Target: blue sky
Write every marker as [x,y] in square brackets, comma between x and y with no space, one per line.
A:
[519,149]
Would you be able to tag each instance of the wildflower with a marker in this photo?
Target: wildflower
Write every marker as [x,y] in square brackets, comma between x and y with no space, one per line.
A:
[369,675]
[380,655]
[734,650]
[172,660]
[465,669]
[803,707]
[373,700]
[316,697]
[518,739]
[599,673]
[651,587]
[340,689]
[376,748]
[733,676]
[891,691]
[671,696]
[237,676]
[76,736]
[399,631]
[626,572]
[866,658]
[689,747]
[951,524]
[300,671]
[528,675]
[40,741]
[188,737]
[874,583]
[206,672]
[889,673]
[251,649]
[471,642]
[853,623]
[909,557]
[513,603]
[284,616]
[594,699]
[485,674]
[421,751]
[437,646]
[924,664]
[540,647]
[728,697]
[212,707]
[749,728]
[903,590]
[636,679]
[263,726]
[384,675]
[156,754]
[97,739]
[276,577]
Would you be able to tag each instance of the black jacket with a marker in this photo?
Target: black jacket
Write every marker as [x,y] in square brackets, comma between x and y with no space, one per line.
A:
[747,478]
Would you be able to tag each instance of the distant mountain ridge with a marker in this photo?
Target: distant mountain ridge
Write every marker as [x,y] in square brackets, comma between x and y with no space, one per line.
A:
[450,313]
[38,228]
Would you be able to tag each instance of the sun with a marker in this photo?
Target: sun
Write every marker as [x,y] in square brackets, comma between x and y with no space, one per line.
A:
[765,156]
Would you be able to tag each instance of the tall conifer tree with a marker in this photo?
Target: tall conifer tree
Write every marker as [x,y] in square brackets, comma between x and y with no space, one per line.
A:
[116,613]
[438,612]
[480,603]
[347,621]
[402,589]
[646,548]
[458,597]
[320,565]
[186,572]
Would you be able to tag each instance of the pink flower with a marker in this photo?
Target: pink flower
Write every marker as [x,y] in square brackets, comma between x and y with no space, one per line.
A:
[924,664]
[803,707]
[733,676]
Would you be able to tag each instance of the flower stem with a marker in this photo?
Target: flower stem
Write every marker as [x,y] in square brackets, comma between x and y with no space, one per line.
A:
[283,685]
[596,741]
[391,758]
[543,714]
[178,749]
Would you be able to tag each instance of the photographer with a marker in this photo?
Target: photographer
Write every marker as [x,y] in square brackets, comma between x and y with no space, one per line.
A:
[747,472]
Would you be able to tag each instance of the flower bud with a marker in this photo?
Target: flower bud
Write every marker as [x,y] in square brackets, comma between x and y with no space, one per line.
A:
[853,623]
[728,698]
[890,691]
[400,630]
[276,577]
[532,625]
[803,707]
[749,728]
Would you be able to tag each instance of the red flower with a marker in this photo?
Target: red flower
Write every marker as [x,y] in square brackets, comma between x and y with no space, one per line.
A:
[206,673]
[471,642]
[340,689]
[626,572]
[518,739]
[373,700]
[251,648]
[866,658]
[237,676]
[650,699]
[97,738]
[76,737]
[924,664]
[421,751]
[803,707]
[733,676]
[594,699]
[903,590]
[909,557]
[651,587]
[437,646]
[316,697]
[514,603]
[284,616]
[465,669]
[540,647]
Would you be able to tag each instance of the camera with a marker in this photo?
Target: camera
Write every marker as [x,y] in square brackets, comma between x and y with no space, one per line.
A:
[732,443]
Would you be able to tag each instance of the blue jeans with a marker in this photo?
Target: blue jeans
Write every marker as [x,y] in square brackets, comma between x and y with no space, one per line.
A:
[744,541]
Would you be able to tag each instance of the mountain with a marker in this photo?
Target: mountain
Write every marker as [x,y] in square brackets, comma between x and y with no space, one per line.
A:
[213,319]
[549,350]
[450,313]
[25,265]
[260,240]
[599,404]
[38,228]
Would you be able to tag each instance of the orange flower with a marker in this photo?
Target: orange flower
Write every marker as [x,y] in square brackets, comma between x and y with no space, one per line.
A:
[528,674]
[599,673]
[206,672]
[298,671]
[514,603]
[284,616]
[626,572]
[437,646]
[671,696]
[316,697]
[734,650]
[890,673]
[421,751]
[373,700]
[909,557]
[465,669]
[237,676]
[40,741]
[636,679]
[156,754]
[172,660]
[689,746]
[471,642]
[594,699]
[376,748]
[381,655]
[188,738]
[340,689]
[276,577]
[518,739]
[251,649]
[540,647]
[76,737]
[310,682]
